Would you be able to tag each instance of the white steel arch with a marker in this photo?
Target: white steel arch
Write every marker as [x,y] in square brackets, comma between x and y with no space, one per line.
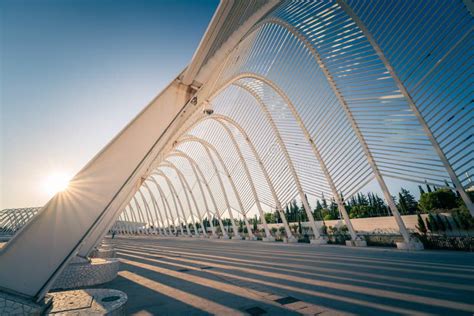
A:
[347,95]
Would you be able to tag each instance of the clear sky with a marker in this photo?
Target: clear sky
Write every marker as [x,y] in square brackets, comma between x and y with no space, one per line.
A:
[75,72]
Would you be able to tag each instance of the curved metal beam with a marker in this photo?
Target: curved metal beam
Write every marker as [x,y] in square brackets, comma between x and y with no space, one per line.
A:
[174,195]
[193,222]
[311,143]
[208,146]
[158,215]
[291,167]
[147,213]
[197,170]
[354,125]
[164,202]
[186,185]
[140,215]
[226,199]
[167,215]
[147,208]
[249,177]
[411,102]
[266,175]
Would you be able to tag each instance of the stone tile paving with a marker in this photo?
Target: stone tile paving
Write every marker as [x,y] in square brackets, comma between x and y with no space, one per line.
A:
[182,275]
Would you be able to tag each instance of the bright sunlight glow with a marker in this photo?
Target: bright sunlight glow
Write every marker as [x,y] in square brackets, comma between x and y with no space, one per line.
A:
[55,182]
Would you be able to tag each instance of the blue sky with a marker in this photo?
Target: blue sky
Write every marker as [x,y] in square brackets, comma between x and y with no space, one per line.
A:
[74,72]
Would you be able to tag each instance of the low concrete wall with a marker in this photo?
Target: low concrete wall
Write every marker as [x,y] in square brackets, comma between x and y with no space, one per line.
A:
[384,224]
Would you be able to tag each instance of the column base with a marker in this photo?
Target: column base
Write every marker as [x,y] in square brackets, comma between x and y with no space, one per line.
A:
[102,253]
[268,239]
[238,237]
[88,302]
[213,237]
[224,237]
[318,241]
[251,238]
[81,272]
[356,243]
[413,244]
[16,305]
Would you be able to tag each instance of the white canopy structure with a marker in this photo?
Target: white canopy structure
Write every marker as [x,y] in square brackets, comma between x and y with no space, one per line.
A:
[280,100]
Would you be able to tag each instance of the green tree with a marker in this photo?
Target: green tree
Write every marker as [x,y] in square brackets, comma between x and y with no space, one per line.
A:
[447,223]
[428,188]
[441,199]
[269,218]
[274,230]
[276,216]
[440,222]
[318,215]
[287,214]
[324,203]
[407,202]
[432,223]
[359,211]
[463,218]
[281,230]
[421,190]
[421,225]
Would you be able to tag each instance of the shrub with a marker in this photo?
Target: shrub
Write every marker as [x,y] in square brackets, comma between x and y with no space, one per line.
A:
[421,225]
[441,199]
[432,223]
[462,243]
[324,230]
[440,223]
[463,218]
[447,223]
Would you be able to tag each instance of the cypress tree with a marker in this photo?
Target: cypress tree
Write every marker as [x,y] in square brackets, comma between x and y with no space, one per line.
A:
[421,190]
[440,223]
[323,201]
[432,223]
[428,188]
[421,225]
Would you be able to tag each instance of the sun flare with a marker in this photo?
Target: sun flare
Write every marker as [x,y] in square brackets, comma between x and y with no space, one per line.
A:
[55,182]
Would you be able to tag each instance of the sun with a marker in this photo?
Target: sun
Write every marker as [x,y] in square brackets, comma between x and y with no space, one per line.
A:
[55,182]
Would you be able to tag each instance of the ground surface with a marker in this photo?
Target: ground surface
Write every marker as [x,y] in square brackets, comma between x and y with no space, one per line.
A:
[176,276]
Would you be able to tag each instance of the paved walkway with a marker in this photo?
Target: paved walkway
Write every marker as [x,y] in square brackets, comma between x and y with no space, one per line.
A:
[176,276]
